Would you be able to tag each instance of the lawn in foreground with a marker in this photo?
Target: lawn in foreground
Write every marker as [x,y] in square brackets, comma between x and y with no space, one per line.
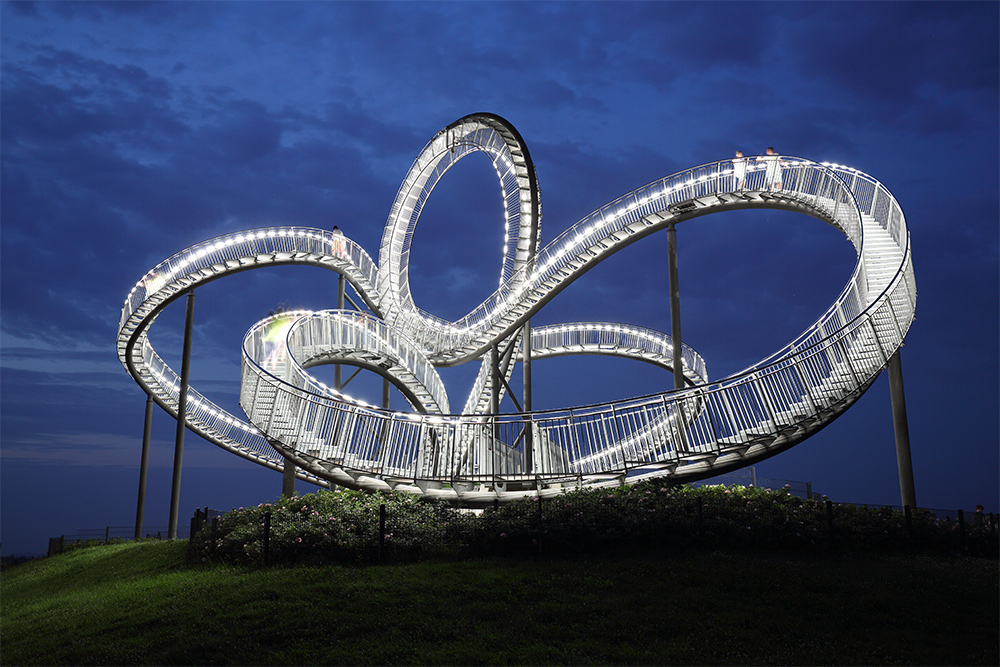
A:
[139,603]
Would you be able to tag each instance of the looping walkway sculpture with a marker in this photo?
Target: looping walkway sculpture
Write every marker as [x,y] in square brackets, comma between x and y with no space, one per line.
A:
[476,455]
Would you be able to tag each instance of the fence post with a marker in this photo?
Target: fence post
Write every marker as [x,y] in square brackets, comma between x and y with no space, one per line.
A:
[829,524]
[961,529]
[195,523]
[267,538]
[381,531]
[540,524]
[107,533]
[55,545]
[909,521]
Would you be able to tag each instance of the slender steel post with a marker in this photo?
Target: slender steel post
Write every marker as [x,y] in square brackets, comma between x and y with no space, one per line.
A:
[144,466]
[904,462]
[494,380]
[288,478]
[494,402]
[337,369]
[383,437]
[675,307]
[526,395]
[175,490]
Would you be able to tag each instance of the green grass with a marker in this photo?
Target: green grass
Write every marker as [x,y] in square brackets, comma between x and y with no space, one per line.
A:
[141,603]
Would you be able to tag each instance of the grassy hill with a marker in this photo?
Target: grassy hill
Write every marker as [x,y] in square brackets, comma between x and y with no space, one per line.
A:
[143,603]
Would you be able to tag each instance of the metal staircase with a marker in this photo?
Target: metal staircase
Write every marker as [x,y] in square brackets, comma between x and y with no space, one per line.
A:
[703,429]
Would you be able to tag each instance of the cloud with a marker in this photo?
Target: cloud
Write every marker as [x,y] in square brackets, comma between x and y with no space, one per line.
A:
[75,449]
[893,59]
[133,130]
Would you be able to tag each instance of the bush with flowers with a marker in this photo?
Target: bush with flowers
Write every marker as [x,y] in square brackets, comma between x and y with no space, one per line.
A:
[330,526]
[343,526]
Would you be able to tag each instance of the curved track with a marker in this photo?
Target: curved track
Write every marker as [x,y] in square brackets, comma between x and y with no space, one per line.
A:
[701,430]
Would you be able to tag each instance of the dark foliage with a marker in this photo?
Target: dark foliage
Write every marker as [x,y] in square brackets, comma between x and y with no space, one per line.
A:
[343,526]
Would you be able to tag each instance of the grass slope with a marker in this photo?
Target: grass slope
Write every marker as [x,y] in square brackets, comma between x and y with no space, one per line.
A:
[140,603]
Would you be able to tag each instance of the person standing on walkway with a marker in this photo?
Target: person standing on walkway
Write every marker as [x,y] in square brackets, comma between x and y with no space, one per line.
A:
[338,241]
[772,173]
[740,170]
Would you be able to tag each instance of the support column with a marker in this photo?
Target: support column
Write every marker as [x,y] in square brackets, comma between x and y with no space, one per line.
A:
[288,478]
[907,492]
[526,395]
[675,307]
[337,369]
[494,380]
[144,466]
[383,436]
[494,404]
[175,489]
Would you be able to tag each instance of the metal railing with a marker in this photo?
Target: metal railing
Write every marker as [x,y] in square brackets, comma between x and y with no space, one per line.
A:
[616,339]
[694,432]
[809,187]
[211,260]
[691,431]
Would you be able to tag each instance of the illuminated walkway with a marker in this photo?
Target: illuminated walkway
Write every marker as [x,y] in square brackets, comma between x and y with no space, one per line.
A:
[474,453]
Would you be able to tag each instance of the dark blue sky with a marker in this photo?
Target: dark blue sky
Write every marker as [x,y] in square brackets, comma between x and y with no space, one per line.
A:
[133,130]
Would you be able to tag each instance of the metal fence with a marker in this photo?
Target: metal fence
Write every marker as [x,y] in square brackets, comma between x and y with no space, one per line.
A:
[725,516]
[88,536]
[651,520]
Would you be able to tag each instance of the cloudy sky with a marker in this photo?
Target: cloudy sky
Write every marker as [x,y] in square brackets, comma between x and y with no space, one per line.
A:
[132,130]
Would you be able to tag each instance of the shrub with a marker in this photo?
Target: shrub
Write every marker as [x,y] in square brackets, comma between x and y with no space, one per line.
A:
[343,526]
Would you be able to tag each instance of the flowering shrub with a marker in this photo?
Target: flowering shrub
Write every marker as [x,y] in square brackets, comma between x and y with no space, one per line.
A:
[343,526]
[338,526]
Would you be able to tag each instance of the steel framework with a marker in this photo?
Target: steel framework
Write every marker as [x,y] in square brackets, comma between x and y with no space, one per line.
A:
[474,456]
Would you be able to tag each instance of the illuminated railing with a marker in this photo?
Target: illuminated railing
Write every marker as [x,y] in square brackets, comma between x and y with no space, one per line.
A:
[339,336]
[208,261]
[497,139]
[204,416]
[623,340]
[245,250]
[687,432]
[700,430]
[619,223]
